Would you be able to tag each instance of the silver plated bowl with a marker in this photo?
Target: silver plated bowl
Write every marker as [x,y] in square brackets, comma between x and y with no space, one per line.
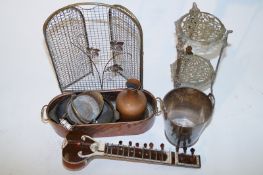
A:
[85,107]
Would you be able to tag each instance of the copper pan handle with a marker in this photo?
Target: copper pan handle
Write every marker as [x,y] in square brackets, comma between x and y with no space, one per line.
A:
[44,117]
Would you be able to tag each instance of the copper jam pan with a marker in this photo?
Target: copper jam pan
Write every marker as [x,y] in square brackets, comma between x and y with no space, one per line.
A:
[104,129]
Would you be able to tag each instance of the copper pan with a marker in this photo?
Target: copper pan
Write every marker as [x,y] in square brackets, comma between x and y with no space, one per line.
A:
[104,129]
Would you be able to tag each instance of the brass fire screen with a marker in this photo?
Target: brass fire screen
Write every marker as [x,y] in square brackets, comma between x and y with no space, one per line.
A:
[94,46]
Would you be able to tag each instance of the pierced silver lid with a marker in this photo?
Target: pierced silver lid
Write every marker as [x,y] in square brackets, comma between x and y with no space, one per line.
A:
[203,31]
[192,71]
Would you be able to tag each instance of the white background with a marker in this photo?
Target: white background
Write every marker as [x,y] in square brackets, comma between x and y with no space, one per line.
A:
[231,144]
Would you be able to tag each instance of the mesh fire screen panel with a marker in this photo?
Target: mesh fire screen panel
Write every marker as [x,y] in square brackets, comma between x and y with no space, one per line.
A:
[94,46]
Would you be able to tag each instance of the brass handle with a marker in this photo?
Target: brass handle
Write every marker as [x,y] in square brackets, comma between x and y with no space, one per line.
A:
[162,108]
[44,117]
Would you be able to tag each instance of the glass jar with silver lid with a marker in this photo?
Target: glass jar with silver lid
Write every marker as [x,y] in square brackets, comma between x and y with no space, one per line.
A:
[201,30]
